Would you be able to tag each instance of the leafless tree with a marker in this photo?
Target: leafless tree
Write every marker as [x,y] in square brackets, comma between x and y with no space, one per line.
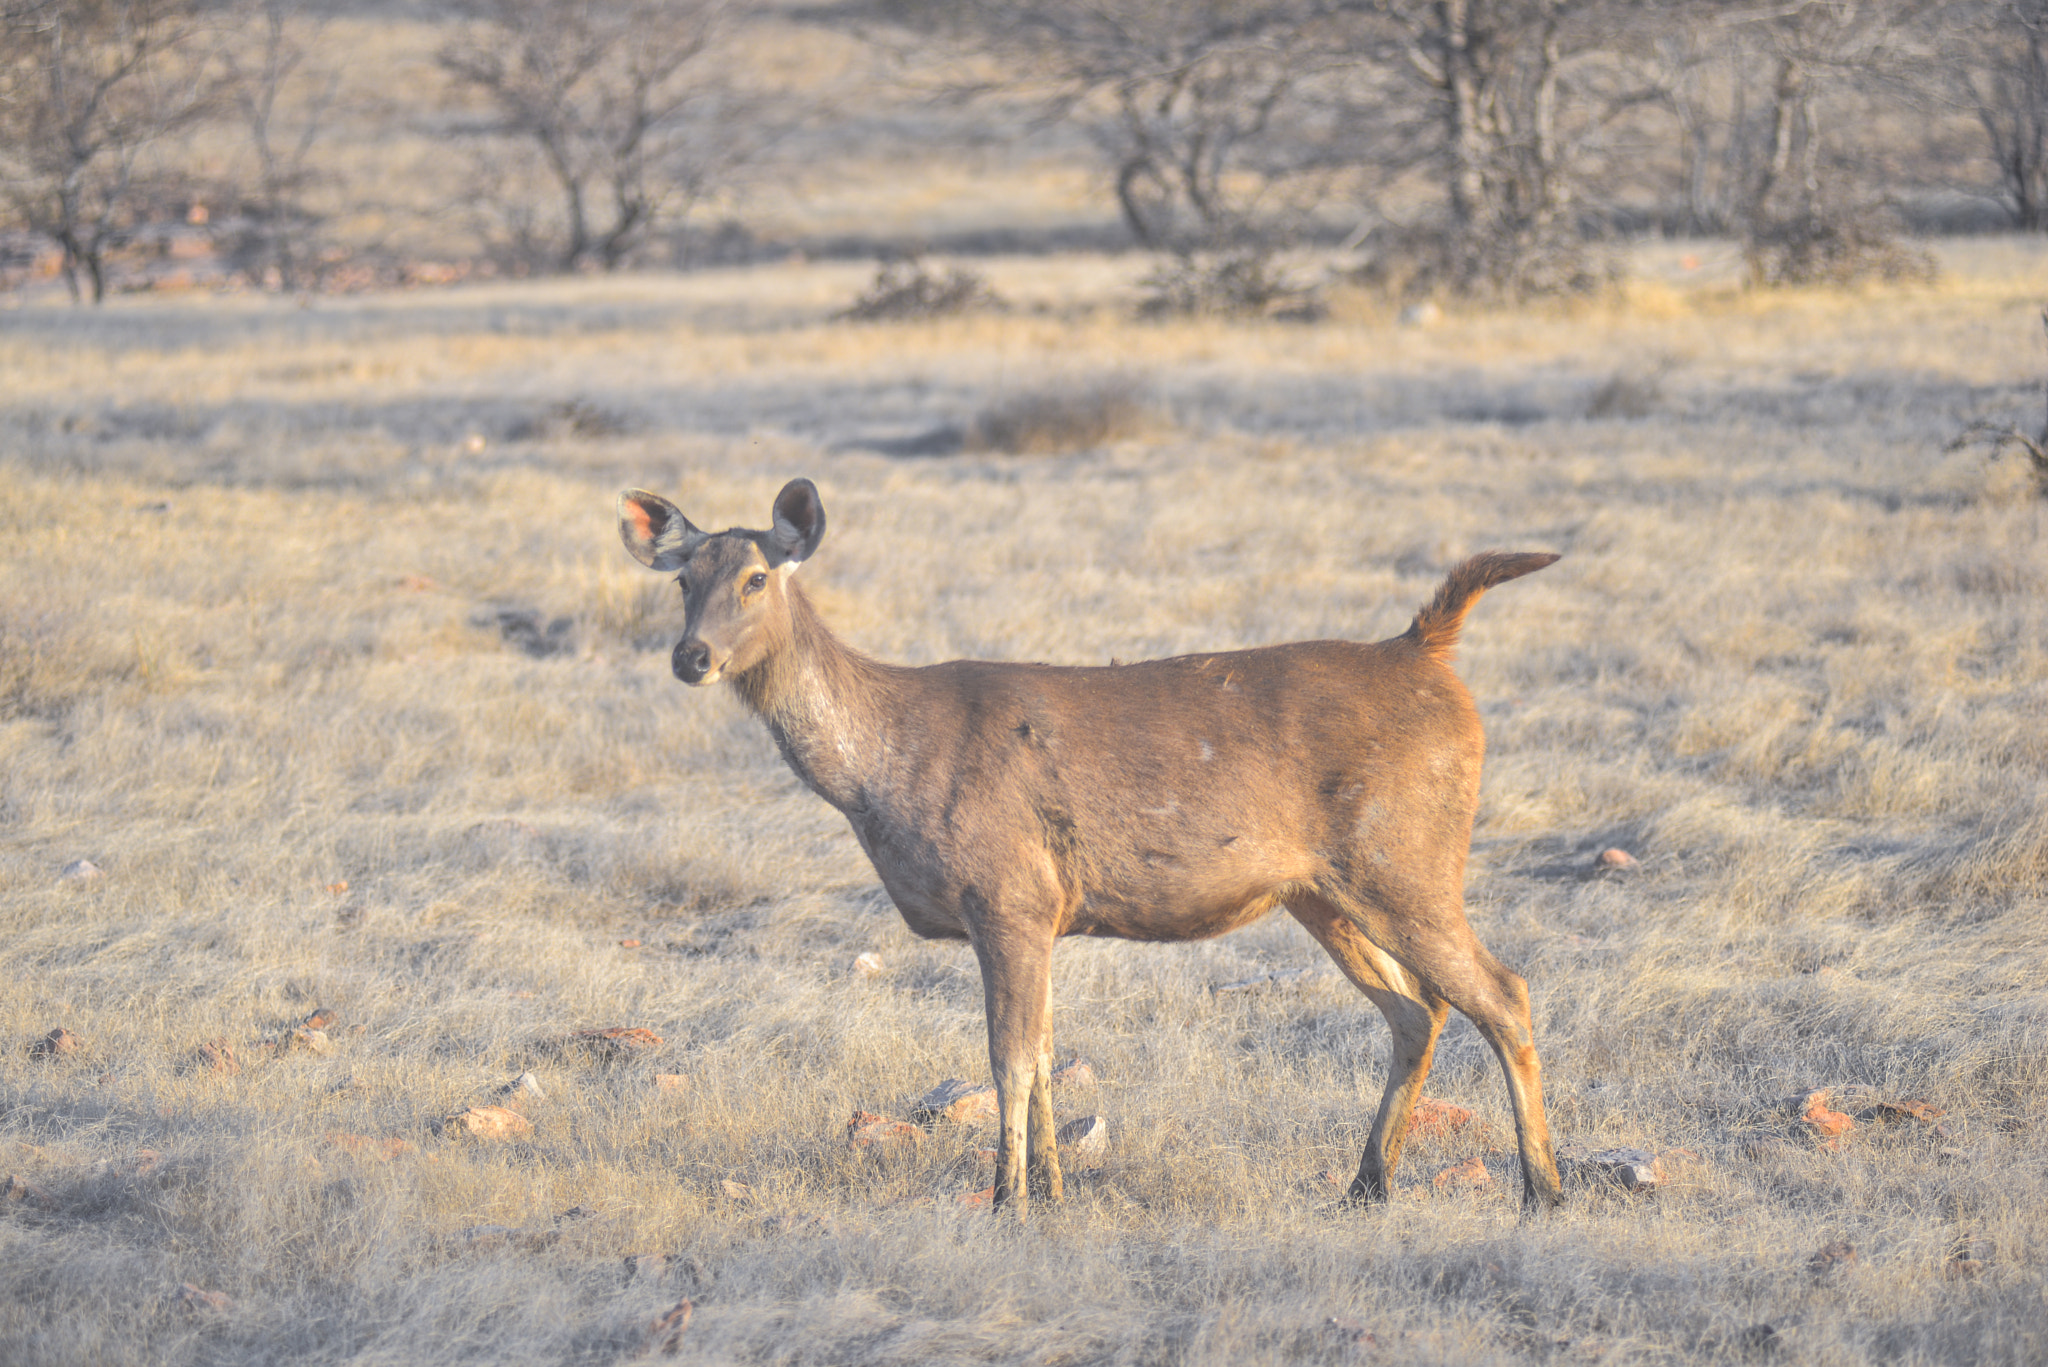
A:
[1527,102]
[1214,118]
[1999,62]
[282,103]
[88,88]
[623,103]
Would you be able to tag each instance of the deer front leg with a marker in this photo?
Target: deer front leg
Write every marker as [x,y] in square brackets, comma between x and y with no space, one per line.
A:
[1044,1166]
[1016,983]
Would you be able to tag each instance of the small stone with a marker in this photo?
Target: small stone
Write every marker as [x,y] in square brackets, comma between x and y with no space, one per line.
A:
[311,1041]
[879,1133]
[492,1123]
[520,1090]
[1891,1112]
[1075,1072]
[1677,1162]
[1469,1175]
[1085,1137]
[80,871]
[868,965]
[671,1082]
[1616,859]
[1832,1258]
[57,1044]
[320,1018]
[1629,1169]
[199,1301]
[1434,1117]
[665,1335]
[963,1103]
[379,1150]
[653,1266]
[615,1043]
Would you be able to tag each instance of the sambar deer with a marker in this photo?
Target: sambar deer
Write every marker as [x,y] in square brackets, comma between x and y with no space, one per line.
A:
[1011,804]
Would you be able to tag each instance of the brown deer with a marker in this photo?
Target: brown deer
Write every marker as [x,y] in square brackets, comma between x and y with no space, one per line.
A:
[1010,804]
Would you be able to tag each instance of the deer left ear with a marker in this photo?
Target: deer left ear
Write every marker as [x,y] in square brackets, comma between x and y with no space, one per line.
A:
[799,521]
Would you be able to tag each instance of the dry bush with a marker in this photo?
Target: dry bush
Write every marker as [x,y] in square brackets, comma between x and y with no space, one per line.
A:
[1079,416]
[1832,248]
[907,289]
[1243,284]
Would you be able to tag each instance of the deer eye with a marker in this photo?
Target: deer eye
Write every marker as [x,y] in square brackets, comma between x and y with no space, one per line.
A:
[758,581]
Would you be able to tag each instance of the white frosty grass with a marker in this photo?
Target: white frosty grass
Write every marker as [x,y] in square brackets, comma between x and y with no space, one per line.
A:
[1795,660]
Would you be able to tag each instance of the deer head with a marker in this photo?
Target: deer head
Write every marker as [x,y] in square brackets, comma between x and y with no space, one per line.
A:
[735,582]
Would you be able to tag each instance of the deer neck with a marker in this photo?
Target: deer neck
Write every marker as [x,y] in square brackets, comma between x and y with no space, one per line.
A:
[824,703]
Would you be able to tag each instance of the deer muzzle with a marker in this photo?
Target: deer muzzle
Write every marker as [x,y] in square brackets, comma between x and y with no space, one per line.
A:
[692,662]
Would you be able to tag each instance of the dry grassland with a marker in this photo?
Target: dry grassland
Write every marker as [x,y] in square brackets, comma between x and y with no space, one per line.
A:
[272,621]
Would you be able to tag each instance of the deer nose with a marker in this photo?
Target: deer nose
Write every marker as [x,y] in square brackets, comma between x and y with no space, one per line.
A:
[692,661]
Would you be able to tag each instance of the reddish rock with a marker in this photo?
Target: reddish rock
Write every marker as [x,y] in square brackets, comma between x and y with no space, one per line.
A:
[57,1044]
[218,1056]
[665,1335]
[1832,1258]
[879,1133]
[1891,1112]
[1469,1175]
[1075,1072]
[963,1103]
[1085,1137]
[1826,1126]
[614,1043]
[492,1123]
[1434,1117]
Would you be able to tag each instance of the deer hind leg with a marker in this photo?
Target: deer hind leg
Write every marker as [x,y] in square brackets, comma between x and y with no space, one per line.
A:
[1442,955]
[1497,1002]
[1414,1019]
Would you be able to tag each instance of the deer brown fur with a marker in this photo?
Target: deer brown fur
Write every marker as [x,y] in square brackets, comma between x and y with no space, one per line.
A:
[1011,804]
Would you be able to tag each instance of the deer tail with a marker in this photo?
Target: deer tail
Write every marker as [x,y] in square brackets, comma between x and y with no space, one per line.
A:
[1435,628]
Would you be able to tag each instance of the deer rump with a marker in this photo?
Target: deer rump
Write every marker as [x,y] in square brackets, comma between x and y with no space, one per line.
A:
[1012,804]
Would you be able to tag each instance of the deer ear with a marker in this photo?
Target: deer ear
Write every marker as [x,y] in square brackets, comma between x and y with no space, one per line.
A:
[799,521]
[655,531]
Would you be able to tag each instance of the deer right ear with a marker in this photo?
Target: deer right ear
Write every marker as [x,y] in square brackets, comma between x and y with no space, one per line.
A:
[655,531]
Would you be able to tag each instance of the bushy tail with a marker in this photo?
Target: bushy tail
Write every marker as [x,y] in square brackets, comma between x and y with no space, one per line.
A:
[1435,629]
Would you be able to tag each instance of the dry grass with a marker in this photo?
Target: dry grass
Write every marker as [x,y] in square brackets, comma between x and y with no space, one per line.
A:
[253,645]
